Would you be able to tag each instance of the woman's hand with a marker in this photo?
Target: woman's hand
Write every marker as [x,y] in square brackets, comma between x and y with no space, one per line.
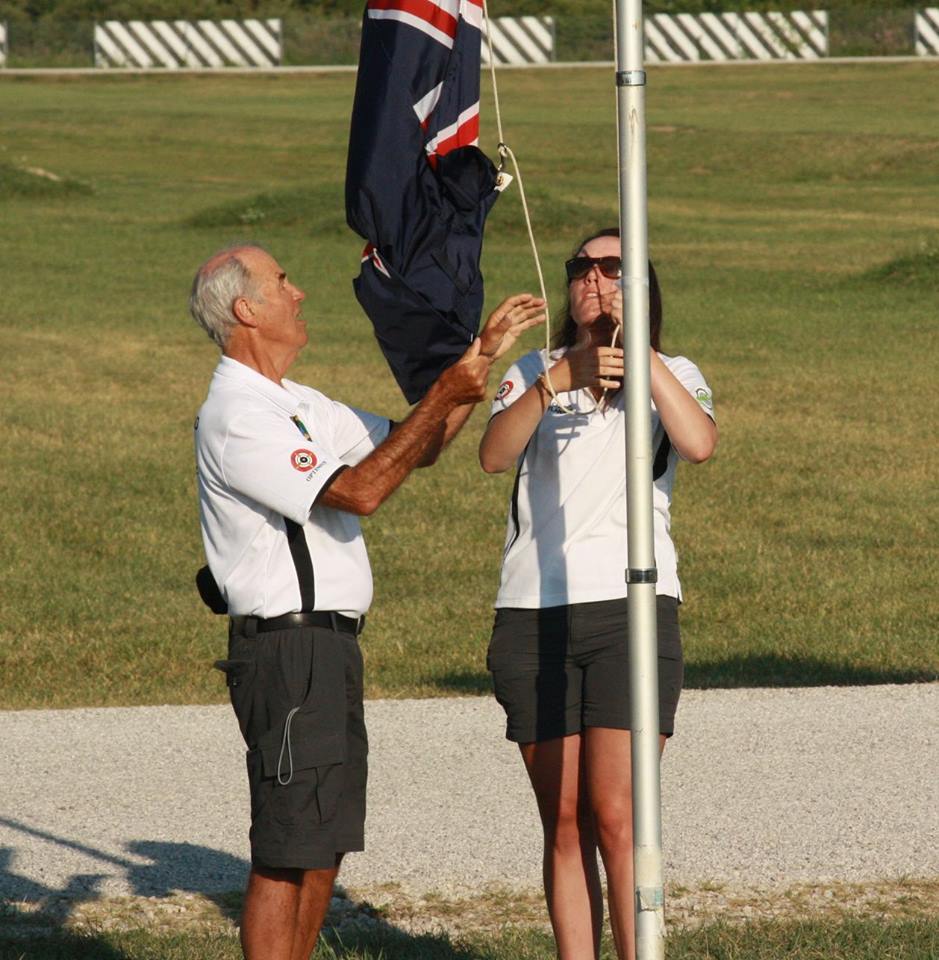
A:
[588,366]
[508,321]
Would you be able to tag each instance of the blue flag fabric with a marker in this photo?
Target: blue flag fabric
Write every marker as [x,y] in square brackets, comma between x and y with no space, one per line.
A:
[418,189]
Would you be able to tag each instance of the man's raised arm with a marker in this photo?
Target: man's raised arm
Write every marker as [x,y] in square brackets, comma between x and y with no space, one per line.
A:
[415,441]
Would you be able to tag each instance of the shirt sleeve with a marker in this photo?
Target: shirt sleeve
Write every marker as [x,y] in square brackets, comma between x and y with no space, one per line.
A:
[691,378]
[518,378]
[266,459]
[356,433]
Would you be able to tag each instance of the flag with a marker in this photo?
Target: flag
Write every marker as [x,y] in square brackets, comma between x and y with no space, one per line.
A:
[418,188]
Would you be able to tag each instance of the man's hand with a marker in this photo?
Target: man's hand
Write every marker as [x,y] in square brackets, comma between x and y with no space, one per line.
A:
[508,321]
[465,381]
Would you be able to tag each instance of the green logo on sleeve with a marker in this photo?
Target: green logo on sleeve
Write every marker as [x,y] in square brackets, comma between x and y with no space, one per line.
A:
[704,398]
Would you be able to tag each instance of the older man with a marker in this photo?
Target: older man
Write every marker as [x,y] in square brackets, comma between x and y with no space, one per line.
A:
[284,473]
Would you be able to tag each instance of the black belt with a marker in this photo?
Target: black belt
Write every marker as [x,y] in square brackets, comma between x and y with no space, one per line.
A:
[248,626]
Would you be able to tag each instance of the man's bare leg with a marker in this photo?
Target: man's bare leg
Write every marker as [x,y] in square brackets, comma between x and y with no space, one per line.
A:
[315,894]
[271,919]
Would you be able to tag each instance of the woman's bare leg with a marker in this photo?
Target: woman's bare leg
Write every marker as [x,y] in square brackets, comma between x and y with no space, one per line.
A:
[609,780]
[571,873]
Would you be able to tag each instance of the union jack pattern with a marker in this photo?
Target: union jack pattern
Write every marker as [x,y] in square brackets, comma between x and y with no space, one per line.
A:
[417,187]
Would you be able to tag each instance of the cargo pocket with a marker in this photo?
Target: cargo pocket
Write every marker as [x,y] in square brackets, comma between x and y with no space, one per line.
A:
[303,756]
[302,766]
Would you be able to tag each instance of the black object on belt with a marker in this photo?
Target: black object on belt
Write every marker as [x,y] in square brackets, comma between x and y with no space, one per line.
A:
[288,621]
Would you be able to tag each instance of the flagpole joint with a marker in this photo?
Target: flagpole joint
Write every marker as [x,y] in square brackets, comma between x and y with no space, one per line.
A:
[630,78]
[649,575]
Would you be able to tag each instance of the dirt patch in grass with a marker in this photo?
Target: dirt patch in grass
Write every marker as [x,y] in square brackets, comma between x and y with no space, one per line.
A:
[32,182]
[919,268]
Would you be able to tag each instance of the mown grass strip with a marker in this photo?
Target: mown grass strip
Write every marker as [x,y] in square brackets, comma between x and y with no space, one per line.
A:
[794,226]
[846,939]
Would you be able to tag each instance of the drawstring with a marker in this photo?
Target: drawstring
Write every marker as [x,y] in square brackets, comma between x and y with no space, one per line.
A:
[285,743]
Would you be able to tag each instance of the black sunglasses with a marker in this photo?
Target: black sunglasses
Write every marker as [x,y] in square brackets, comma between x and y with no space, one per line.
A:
[578,267]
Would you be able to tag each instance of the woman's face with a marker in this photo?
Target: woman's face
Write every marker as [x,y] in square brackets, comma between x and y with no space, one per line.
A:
[592,295]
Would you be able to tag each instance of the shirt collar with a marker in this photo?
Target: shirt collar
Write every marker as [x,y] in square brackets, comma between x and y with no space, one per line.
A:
[232,369]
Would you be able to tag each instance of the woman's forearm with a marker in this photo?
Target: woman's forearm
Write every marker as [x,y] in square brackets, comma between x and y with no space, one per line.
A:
[691,431]
[508,432]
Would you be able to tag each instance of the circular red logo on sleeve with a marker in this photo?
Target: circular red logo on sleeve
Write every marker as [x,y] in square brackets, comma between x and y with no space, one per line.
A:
[504,390]
[303,460]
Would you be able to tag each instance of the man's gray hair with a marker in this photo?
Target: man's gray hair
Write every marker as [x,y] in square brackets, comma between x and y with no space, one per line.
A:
[218,283]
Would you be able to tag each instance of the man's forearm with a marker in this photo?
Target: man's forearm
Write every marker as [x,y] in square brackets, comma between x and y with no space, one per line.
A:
[452,425]
[421,435]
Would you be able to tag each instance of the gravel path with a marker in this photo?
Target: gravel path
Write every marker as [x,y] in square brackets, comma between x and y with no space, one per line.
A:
[760,787]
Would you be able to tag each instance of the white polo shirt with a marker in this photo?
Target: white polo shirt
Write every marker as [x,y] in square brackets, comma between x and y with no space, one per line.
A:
[566,534]
[263,454]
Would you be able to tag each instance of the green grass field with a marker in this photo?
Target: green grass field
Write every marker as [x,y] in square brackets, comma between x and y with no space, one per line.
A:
[849,939]
[794,223]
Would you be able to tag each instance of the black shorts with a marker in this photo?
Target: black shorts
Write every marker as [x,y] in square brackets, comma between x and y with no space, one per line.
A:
[297,695]
[560,669]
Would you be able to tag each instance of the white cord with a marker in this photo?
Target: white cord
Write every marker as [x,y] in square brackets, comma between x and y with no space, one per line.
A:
[506,151]
[285,743]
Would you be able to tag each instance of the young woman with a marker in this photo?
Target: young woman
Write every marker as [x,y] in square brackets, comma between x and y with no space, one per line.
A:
[558,653]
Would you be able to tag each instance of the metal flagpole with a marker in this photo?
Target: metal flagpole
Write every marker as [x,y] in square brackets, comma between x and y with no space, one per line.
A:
[641,573]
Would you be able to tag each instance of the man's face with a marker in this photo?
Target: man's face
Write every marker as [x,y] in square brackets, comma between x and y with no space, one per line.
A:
[278,302]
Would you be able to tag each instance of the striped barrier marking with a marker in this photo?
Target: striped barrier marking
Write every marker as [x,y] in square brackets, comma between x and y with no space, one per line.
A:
[182,43]
[927,32]
[717,27]
[519,39]
[814,26]
[686,37]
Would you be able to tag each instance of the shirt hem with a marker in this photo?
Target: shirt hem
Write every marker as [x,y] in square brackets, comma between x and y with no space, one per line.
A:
[564,600]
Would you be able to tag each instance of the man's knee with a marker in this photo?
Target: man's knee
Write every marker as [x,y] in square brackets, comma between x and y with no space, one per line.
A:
[262,874]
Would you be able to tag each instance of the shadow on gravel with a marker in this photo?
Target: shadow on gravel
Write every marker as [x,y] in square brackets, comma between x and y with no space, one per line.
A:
[42,916]
[170,868]
[34,915]
[772,670]
[183,868]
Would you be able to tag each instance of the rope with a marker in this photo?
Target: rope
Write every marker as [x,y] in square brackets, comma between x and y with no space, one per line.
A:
[285,743]
[506,151]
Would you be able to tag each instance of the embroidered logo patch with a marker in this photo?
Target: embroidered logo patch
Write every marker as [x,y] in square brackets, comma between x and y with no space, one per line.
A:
[303,460]
[704,398]
[505,389]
